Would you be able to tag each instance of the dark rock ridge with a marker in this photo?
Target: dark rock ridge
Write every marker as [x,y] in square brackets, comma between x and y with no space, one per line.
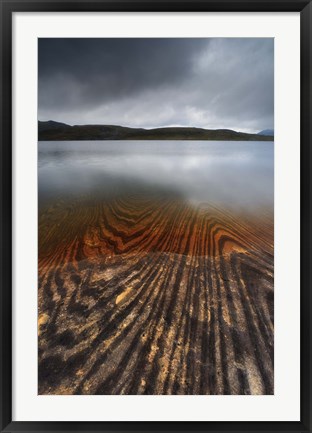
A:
[51,130]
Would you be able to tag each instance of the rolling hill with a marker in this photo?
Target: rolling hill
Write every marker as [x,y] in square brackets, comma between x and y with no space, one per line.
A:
[53,131]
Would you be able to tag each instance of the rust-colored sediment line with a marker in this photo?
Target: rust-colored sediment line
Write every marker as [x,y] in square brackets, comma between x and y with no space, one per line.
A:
[150,295]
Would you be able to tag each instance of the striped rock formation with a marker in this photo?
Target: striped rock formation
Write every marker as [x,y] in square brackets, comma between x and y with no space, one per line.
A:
[144,294]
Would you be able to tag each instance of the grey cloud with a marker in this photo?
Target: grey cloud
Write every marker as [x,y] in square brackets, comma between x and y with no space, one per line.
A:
[213,83]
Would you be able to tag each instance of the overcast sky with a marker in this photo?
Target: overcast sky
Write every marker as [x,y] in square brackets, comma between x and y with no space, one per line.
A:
[210,83]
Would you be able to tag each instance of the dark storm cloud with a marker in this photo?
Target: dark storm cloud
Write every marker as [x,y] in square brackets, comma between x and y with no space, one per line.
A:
[214,83]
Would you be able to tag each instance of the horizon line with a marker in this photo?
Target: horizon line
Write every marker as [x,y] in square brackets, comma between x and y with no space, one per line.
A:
[157,127]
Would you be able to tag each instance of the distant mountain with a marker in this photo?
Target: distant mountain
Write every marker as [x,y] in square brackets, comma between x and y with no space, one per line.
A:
[267,132]
[51,125]
[51,130]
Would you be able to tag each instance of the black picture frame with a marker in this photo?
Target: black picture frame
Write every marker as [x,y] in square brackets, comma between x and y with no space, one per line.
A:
[8,7]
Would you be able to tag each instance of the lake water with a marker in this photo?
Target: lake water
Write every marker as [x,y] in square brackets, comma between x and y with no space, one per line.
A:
[156,268]
[231,174]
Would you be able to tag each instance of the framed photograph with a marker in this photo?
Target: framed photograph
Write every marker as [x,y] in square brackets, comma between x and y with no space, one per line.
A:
[155,216]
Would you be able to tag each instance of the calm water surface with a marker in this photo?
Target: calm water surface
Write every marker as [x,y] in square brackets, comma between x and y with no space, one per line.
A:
[229,174]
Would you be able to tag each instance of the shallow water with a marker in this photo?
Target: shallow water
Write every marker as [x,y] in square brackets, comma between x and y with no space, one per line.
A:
[155,268]
[232,174]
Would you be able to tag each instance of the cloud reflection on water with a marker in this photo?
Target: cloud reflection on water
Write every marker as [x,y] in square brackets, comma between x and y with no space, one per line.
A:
[230,174]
